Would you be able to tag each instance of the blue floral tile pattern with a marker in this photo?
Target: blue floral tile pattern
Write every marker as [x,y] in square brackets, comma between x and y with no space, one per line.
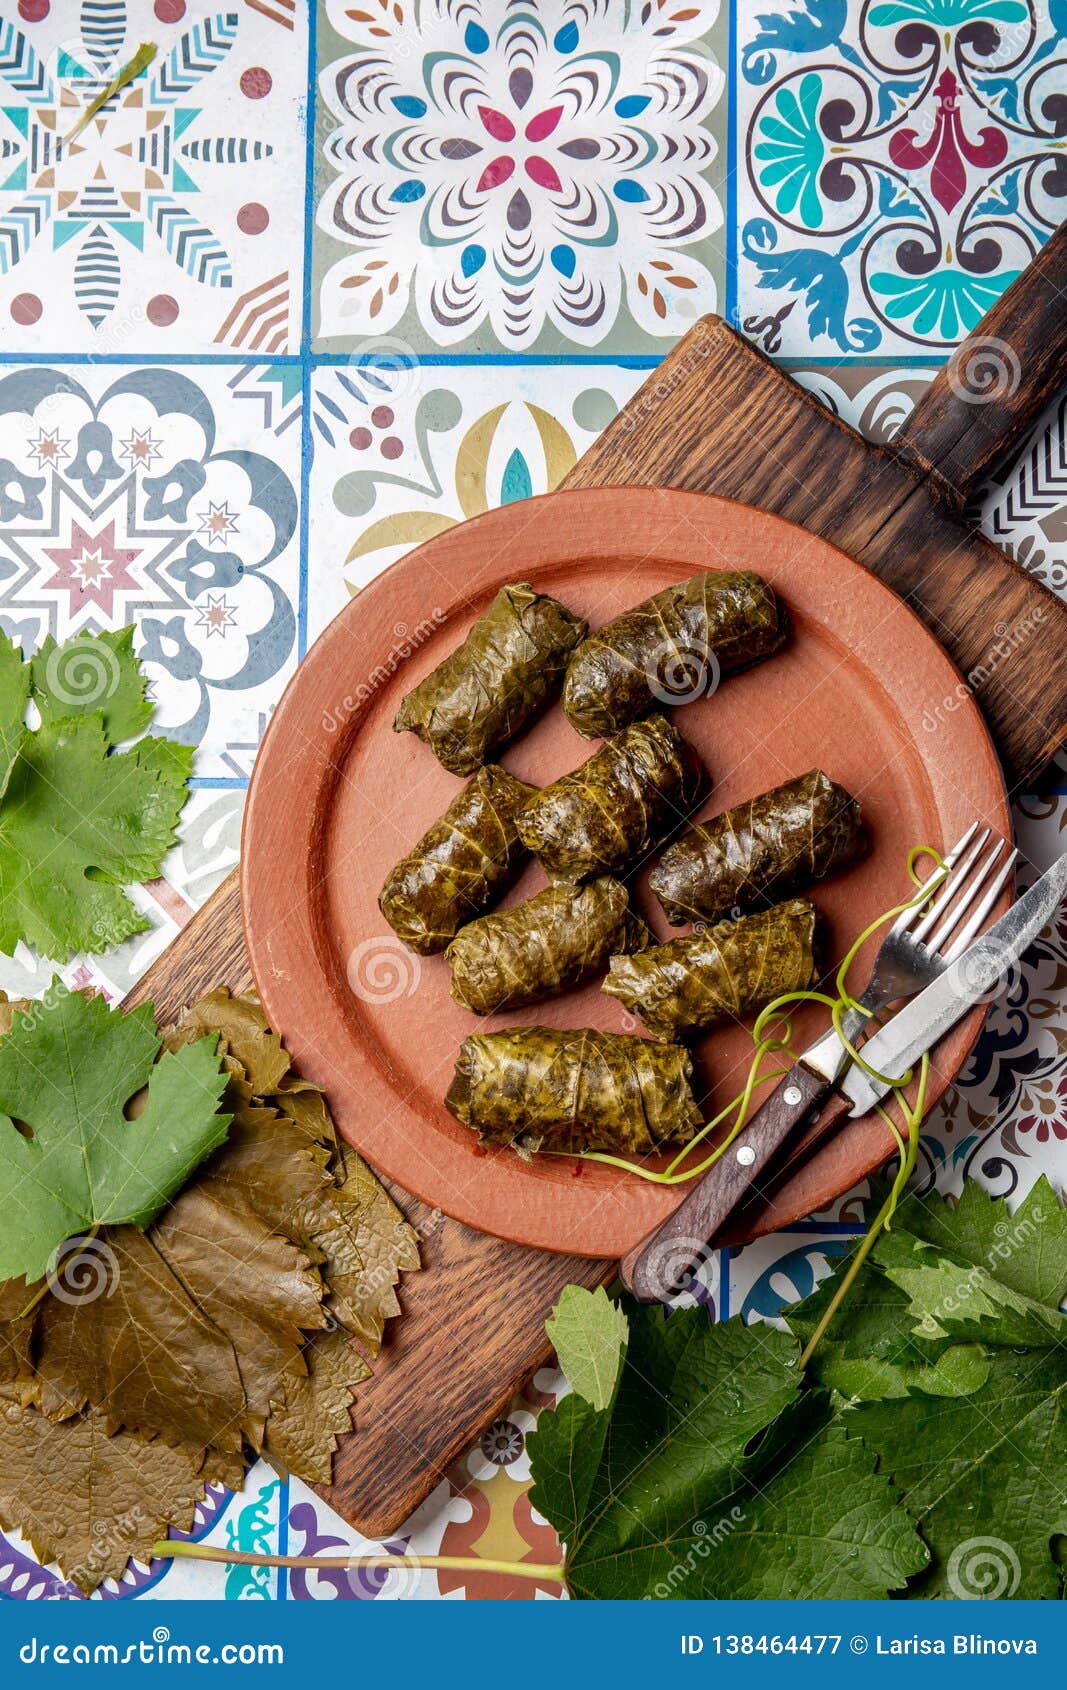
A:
[899,163]
[495,175]
[168,213]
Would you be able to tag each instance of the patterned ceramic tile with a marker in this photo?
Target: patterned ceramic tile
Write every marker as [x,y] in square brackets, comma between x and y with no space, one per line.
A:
[175,219]
[898,165]
[782,1269]
[562,160]
[535,178]
[875,401]
[1026,512]
[423,448]
[169,498]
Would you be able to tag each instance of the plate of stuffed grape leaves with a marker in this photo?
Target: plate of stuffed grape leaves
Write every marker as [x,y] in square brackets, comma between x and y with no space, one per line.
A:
[555,807]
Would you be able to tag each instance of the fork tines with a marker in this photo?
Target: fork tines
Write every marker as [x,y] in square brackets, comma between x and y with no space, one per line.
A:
[968,875]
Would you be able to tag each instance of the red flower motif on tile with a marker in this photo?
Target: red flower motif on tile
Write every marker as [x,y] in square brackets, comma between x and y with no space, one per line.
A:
[948,179]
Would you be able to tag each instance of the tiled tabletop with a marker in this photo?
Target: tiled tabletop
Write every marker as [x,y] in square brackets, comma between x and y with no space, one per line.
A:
[316,287]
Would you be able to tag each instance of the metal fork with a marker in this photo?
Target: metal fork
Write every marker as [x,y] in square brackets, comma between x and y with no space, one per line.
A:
[908,960]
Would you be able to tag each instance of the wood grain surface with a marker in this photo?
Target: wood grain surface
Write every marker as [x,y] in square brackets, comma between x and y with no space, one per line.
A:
[717,417]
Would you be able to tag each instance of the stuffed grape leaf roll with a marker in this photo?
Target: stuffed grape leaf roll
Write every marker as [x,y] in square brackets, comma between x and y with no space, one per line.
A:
[726,970]
[671,649]
[758,851]
[460,866]
[552,942]
[573,1089]
[510,664]
[607,814]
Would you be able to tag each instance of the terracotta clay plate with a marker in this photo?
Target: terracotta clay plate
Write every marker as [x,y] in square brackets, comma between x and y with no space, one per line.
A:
[862,690]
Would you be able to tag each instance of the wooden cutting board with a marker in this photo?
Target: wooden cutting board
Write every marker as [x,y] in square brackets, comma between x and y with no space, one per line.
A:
[718,417]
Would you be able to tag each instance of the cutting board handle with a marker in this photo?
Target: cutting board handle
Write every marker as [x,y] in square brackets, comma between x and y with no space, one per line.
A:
[977,411]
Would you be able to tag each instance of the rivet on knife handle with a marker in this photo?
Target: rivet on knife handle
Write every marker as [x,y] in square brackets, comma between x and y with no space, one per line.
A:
[656,1268]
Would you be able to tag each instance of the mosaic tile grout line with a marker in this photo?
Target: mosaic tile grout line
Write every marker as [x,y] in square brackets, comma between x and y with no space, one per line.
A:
[730,287]
[313,360]
[306,446]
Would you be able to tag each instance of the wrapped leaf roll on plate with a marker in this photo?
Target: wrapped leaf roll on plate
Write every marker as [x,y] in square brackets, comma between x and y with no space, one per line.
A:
[609,813]
[510,664]
[460,866]
[727,970]
[671,649]
[756,852]
[545,946]
[573,1090]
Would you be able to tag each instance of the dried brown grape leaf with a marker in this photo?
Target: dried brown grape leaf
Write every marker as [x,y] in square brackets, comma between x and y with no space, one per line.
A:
[269,1164]
[305,1106]
[16,1330]
[88,1498]
[256,1287]
[384,1243]
[303,1434]
[214,1333]
[144,1355]
[244,1032]
[345,1220]
[9,1008]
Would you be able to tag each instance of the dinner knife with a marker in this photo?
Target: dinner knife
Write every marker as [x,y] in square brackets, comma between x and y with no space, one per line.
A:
[651,1270]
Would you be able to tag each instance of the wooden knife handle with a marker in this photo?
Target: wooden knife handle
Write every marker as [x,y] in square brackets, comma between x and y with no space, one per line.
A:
[654,1269]
[977,411]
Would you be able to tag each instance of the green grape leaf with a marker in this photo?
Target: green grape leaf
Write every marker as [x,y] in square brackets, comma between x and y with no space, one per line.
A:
[589,1334]
[76,826]
[93,673]
[953,1299]
[982,1475]
[1025,1249]
[68,1068]
[709,1476]
[79,820]
[14,696]
[944,1280]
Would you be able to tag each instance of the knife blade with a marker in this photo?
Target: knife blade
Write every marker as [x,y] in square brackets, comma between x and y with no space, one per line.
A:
[928,1017]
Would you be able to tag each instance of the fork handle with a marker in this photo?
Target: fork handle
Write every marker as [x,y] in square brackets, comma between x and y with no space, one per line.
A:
[652,1270]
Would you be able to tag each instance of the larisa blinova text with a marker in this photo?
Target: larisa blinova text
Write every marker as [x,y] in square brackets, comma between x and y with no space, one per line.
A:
[973,1643]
